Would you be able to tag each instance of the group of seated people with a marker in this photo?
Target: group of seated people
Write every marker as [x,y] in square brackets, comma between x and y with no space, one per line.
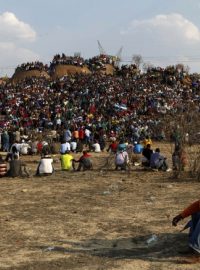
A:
[144,155]
[154,159]
[68,161]
[150,158]
[123,153]
[18,168]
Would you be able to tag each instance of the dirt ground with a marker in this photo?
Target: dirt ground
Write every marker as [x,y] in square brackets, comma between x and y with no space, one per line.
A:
[94,220]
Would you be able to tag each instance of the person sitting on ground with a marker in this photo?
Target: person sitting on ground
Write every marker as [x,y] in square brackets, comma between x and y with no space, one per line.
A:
[121,146]
[192,210]
[112,147]
[96,147]
[158,162]
[67,161]
[73,145]
[147,152]
[13,151]
[138,148]
[85,162]
[45,166]
[3,167]
[121,160]
[65,146]
[17,168]
[24,148]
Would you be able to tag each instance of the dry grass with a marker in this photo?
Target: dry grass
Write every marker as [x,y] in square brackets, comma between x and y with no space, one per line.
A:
[94,220]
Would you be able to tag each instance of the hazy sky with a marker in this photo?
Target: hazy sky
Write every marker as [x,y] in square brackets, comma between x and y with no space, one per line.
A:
[163,32]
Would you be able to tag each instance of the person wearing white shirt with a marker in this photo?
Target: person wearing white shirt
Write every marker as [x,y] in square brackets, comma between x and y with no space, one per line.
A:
[121,160]
[24,148]
[17,145]
[73,146]
[45,166]
[96,147]
[65,146]
[87,136]
[87,132]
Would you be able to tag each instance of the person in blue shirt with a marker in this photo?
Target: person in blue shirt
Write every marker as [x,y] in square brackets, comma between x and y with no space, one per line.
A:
[138,148]
[157,161]
[121,146]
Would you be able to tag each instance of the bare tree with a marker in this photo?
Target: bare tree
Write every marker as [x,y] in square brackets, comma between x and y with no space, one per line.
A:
[184,130]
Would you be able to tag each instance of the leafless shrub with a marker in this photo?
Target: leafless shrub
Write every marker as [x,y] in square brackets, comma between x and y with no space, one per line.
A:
[184,131]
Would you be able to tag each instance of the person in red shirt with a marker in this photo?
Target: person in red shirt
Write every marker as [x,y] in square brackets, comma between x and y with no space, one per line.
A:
[81,134]
[192,210]
[85,162]
[112,147]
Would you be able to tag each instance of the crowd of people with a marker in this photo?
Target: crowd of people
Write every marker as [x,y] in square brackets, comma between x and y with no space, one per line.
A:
[81,113]
[94,64]
[127,70]
[99,62]
[132,107]
[77,142]
[32,66]
[66,60]
[100,106]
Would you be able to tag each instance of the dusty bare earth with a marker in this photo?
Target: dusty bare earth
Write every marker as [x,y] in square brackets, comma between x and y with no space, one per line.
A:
[94,220]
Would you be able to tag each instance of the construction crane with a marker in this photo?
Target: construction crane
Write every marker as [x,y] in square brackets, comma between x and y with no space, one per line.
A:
[117,58]
[101,49]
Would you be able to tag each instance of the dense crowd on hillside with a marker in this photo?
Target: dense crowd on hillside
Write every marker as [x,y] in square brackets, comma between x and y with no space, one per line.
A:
[127,70]
[100,61]
[32,66]
[82,111]
[96,63]
[67,60]
[131,106]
